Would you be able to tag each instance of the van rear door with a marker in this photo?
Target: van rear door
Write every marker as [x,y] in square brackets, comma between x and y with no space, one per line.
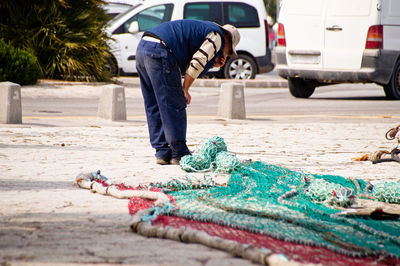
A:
[391,22]
[346,28]
[304,28]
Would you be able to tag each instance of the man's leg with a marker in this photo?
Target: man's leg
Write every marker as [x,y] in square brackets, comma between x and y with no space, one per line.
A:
[146,65]
[167,85]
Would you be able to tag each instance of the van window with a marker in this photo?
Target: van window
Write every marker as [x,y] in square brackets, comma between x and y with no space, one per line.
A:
[148,18]
[351,8]
[209,11]
[241,15]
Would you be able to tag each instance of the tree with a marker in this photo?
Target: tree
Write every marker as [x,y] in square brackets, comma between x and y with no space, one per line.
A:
[270,5]
[66,35]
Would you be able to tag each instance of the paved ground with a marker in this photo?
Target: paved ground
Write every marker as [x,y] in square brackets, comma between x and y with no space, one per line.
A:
[45,219]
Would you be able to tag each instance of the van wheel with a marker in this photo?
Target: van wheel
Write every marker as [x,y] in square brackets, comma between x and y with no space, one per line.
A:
[242,67]
[392,90]
[301,88]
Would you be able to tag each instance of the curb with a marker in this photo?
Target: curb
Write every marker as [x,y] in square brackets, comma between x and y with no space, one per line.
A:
[274,82]
[255,83]
[63,82]
[262,83]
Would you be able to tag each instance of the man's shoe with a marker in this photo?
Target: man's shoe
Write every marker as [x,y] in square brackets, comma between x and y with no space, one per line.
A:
[161,161]
[175,161]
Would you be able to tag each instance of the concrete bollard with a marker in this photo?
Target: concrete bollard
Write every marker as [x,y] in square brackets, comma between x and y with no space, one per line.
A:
[10,103]
[231,101]
[112,103]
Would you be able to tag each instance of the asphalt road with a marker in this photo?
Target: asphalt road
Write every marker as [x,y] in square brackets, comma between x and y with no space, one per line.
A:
[333,102]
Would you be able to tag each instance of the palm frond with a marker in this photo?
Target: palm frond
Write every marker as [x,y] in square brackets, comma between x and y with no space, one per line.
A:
[66,35]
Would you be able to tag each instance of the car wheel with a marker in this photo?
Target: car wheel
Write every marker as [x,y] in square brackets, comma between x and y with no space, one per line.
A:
[112,66]
[242,67]
[301,88]
[392,90]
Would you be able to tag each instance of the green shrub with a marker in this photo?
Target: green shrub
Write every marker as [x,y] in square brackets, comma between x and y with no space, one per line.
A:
[17,65]
[66,35]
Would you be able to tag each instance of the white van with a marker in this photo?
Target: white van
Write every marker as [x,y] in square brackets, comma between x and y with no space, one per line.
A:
[336,41]
[249,16]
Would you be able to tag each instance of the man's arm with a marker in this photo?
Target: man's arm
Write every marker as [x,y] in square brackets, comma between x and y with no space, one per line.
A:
[187,82]
[206,52]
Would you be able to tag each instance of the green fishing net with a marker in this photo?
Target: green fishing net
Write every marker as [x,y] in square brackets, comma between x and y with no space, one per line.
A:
[387,192]
[285,204]
[213,155]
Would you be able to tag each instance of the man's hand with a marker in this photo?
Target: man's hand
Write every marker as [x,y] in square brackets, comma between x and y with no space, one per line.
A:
[187,96]
[220,61]
[187,82]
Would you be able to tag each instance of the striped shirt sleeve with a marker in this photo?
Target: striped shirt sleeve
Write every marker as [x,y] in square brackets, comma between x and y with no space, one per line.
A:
[207,51]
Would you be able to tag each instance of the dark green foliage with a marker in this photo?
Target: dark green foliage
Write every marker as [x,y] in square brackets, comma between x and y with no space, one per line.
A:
[17,65]
[66,35]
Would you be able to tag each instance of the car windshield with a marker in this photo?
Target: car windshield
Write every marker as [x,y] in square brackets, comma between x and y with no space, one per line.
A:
[123,13]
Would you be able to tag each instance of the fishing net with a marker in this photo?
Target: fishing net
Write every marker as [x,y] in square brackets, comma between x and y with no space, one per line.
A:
[387,192]
[291,206]
[274,209]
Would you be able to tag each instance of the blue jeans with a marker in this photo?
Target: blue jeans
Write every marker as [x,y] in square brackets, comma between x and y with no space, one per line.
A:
[164,100]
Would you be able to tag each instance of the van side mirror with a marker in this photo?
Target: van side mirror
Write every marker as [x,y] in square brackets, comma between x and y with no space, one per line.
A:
[134,27]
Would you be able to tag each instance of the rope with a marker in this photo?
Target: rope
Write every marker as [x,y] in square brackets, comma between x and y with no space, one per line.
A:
[391,133]
[382,155]
[263,256]
[394,157]
[100,184]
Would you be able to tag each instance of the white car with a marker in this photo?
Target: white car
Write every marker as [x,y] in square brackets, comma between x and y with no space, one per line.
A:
[249,16]
[335,41]
[114,9]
